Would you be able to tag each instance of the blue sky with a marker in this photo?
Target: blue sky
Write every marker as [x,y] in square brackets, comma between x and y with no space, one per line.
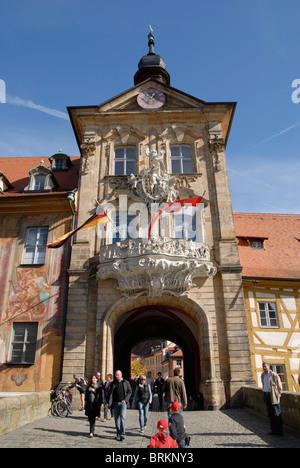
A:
[59,53]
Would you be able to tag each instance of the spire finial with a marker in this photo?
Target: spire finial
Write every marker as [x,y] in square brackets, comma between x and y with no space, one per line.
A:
[151,40]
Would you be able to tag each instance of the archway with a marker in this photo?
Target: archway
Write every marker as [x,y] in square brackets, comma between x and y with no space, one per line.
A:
[157,323]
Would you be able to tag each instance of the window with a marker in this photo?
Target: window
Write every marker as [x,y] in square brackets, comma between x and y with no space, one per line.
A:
[184,226]
[39,182]
[257,244]
[60,161]
[181,159]
[24,340]
[125,160]
[35,246]
[188,224]
[59,164]
[120,227]
[280,370]
[41,178]
[268,315]
[178,363]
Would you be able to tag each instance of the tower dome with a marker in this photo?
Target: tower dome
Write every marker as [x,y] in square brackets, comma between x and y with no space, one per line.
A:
[151,65]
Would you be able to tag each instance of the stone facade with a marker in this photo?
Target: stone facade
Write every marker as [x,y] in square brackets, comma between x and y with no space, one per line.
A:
[122,293]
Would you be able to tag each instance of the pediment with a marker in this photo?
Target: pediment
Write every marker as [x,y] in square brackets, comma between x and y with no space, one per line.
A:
[176,102]
[127,101]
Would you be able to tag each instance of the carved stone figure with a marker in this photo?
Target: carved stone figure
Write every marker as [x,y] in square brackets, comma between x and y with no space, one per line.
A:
[153,185]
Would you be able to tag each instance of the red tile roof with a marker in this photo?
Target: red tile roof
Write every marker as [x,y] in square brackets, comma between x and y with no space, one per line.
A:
[281,240]
[16,172]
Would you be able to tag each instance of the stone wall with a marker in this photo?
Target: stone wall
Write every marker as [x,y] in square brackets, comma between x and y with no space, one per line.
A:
[20,410]
[290,406]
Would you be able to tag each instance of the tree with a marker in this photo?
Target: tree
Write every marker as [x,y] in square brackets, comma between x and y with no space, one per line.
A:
[137,368]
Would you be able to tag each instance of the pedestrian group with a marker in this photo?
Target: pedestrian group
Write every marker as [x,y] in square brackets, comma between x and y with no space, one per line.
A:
[117,394]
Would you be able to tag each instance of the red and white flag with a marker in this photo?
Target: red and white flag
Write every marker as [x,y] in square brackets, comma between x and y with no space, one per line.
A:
[175,207]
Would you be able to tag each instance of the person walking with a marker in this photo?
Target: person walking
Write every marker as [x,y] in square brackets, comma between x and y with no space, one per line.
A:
[106,386]
[175,391]
[142,400]
[158,385]
[272,388]
[177,427]
[119,396]
[93,401]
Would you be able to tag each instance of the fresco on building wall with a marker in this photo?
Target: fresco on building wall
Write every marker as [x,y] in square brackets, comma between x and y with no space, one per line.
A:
[32,294]
[29,297]
[6,245]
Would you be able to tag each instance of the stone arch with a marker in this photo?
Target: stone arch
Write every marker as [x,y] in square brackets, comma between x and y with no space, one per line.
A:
[179,319]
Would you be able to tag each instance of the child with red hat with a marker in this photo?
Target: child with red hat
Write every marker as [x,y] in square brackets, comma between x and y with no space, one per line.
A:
[177,427]
[161,439]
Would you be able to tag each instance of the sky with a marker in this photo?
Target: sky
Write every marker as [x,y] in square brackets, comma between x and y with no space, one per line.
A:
[60,53]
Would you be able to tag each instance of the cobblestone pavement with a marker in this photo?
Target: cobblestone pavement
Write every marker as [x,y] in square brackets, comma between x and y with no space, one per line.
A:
[220,429]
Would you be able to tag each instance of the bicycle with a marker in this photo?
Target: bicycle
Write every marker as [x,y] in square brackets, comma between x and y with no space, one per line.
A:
[61,402]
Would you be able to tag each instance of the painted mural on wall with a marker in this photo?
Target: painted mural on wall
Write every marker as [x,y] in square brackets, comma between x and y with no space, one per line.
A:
[28,298]
[31,294]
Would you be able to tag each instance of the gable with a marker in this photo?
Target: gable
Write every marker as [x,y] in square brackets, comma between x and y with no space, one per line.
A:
[125,109]
[175,99]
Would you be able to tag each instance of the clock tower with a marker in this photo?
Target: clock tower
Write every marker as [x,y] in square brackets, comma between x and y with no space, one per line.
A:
[141,150]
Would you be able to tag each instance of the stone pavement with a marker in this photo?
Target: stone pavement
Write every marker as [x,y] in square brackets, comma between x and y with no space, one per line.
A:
[219,429]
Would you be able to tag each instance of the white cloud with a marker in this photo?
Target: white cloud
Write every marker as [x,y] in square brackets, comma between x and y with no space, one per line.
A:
[278,134]
[247,176]
[17,101]
[265,186]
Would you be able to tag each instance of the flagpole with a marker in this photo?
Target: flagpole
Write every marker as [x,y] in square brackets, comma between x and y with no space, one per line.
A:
[114,225]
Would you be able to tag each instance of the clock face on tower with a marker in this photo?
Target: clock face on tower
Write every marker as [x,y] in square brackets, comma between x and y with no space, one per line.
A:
[151,98]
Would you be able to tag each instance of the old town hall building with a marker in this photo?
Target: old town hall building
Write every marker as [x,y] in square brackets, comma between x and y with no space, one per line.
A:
[83,307]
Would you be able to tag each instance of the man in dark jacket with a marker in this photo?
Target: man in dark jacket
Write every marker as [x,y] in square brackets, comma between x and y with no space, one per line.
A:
[119,396]
[158,385]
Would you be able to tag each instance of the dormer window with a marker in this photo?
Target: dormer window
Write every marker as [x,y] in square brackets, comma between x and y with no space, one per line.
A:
[41,178]
[60,162]
[4,183]
[39,182]
[256,243]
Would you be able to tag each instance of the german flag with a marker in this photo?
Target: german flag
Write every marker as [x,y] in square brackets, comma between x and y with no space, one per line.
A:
[101,218]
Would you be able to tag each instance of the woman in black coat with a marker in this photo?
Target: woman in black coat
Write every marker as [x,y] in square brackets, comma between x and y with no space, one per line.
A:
[93,401]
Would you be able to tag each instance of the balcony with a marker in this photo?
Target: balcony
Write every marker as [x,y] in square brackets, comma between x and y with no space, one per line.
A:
[164,266]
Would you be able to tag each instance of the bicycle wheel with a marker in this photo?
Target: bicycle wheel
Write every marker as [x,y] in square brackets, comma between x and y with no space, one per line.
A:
[70,408]
[61,409]
[53,408]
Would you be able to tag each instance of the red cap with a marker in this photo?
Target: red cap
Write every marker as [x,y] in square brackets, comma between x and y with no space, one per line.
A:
[175,406]
[162,424]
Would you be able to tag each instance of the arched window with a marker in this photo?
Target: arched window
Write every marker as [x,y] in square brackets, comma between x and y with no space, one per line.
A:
[125,160]
[181,159]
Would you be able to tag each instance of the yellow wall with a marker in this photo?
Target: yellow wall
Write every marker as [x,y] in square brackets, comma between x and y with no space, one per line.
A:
[281,345]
